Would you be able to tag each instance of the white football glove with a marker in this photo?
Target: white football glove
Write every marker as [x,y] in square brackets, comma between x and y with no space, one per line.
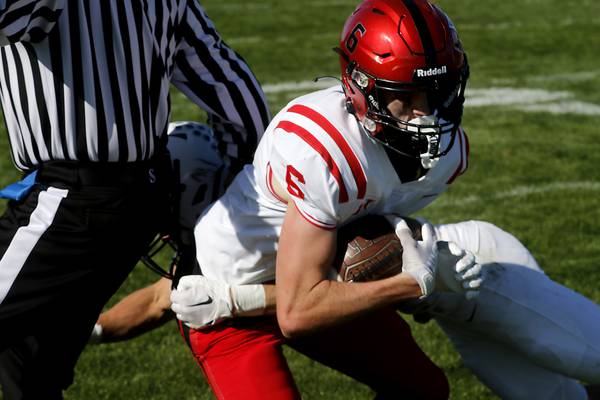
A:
[419,258]
[458,271]
[200,302]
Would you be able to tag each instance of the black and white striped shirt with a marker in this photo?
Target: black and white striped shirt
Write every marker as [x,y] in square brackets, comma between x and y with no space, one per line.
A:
[89,80]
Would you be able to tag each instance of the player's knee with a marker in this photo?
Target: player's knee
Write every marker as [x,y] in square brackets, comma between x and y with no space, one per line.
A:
[497,245]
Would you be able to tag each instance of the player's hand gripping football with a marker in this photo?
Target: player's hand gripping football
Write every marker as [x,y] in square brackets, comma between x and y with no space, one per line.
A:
[419,258]
[200,302]
[458,271]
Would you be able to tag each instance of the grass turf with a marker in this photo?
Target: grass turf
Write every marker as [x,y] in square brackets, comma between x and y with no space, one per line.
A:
[534,173]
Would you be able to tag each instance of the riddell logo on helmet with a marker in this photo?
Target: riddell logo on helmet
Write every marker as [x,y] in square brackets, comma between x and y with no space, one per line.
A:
[373,102]
[422,73]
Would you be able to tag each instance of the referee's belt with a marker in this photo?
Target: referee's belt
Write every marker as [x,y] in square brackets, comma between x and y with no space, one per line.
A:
[97,173]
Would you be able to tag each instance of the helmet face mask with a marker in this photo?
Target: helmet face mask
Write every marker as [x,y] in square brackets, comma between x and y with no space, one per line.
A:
[397,48]
[155,248]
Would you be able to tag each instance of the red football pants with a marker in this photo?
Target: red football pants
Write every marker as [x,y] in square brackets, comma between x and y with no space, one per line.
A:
[244,359]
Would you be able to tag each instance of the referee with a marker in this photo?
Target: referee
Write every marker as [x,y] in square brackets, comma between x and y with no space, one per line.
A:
[84,86]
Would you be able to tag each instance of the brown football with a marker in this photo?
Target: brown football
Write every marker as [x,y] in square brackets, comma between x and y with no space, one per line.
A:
[368,249]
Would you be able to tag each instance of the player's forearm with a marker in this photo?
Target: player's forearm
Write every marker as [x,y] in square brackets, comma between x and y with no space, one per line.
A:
[127,326]
[140,312]
[306,299]
[330,302]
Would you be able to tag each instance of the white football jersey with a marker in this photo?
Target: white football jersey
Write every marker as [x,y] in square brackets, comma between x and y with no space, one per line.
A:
[332,171]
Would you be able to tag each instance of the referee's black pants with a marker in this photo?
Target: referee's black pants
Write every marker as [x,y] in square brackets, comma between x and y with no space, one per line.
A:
[64,251]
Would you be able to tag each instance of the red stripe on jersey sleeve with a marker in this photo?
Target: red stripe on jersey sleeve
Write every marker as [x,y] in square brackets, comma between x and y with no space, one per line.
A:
[270,184]
[334,133]
[462,165]
[318,146]
[314,221]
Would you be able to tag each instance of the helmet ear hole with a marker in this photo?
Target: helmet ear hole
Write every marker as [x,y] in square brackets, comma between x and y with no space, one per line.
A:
[350,107]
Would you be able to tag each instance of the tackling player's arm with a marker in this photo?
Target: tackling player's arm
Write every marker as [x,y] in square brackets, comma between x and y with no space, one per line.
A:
[150,307]
[306,299]
[138,313]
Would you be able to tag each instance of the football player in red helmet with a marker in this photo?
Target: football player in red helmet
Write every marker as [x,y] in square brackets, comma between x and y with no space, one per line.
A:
[316,168]
[385,141]
[404,73]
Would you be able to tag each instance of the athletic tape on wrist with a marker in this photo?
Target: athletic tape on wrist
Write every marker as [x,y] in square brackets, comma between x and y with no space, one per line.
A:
[248,300]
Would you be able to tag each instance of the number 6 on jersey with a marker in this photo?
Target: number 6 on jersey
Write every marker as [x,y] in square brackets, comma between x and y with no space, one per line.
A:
[292,187]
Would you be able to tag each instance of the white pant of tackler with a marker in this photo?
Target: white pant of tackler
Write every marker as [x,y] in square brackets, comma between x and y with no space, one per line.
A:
[525,336]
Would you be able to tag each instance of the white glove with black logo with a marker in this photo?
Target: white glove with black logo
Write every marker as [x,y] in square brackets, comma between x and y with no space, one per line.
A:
[200,302]
[458,271]
[419,258]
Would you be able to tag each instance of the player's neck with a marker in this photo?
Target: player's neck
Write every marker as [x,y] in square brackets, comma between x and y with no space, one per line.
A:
[408,168]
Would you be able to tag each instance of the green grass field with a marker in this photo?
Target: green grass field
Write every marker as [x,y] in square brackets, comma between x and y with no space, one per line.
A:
[532,116]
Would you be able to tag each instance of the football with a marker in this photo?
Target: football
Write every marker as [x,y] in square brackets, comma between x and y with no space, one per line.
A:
[368,249]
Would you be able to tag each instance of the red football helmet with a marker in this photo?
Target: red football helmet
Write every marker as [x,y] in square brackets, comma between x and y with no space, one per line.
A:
[404,46]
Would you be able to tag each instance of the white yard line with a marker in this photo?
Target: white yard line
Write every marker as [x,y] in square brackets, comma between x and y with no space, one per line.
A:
[332,37]
[566,108]
[248,5]
[530,100]
[579,76]
[571,77]
[511,96]
[520,191]
[565,22]
[297,86]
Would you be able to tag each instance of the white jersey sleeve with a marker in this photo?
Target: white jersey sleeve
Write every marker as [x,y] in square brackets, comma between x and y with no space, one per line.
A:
[304,171]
